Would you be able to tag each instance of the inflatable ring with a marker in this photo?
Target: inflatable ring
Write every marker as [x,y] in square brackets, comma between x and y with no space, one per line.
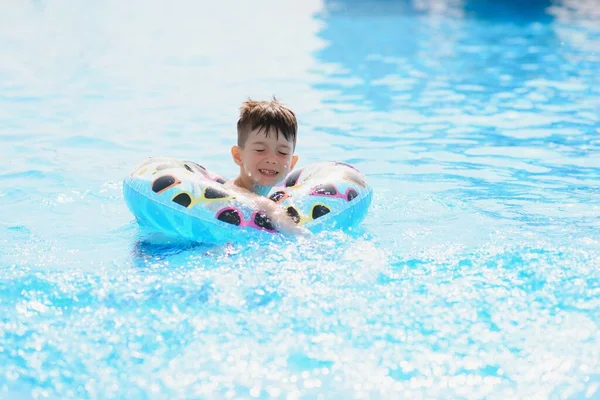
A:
[184,199]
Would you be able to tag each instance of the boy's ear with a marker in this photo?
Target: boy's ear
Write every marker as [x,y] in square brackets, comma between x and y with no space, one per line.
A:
[294,161]
[236,153]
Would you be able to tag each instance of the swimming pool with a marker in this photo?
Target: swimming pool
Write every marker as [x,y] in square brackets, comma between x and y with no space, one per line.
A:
[476,273]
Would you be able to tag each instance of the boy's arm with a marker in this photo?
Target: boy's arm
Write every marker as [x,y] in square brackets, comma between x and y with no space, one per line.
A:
[279,217]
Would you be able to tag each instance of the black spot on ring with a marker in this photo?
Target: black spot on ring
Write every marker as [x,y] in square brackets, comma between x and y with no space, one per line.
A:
[197,165]
[222,181]
[183,199]
[277,196]
[212,193]
[261,220]
[319,210]
[326,189]
[352,194]
[293,214]
[194,167]
[164,182]
[230,216]
[292,178]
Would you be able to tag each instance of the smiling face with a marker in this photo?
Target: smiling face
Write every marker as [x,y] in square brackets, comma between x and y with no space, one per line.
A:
[265,159]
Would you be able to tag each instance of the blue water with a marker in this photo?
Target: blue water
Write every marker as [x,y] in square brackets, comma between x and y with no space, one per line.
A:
[477,272]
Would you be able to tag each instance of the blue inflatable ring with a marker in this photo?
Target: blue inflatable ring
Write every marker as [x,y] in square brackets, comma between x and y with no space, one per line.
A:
[184,199]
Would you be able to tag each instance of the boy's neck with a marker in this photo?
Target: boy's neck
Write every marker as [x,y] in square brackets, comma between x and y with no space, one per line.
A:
[256,188]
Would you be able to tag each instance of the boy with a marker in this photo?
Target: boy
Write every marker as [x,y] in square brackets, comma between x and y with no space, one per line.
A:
[265,154]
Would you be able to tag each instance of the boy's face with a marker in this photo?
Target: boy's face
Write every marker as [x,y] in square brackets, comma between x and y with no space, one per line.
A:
[265,160]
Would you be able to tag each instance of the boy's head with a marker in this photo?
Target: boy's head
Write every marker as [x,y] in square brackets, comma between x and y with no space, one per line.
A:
[266,142]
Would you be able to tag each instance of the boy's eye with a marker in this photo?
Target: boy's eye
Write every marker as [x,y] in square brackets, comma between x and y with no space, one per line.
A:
[283,154]
[259,150]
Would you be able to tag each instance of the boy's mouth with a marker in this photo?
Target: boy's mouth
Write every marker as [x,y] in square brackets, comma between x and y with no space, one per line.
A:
[268,172]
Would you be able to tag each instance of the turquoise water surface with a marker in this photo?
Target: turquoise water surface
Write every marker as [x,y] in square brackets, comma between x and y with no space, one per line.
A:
[475,275]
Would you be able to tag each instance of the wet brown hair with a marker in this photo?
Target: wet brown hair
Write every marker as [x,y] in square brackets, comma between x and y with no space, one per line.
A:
[268,116]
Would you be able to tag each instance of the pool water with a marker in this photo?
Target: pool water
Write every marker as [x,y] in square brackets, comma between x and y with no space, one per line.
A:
[476,273]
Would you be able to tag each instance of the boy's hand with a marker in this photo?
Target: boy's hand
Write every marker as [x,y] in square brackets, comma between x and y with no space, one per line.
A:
[279,217]
[285,224]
